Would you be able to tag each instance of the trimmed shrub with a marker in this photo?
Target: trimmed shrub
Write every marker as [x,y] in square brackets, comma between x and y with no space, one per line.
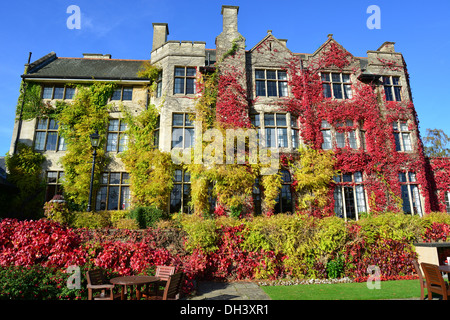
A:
[147,217]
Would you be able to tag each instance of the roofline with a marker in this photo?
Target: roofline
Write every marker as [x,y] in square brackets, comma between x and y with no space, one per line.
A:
[81,79]
[78,58]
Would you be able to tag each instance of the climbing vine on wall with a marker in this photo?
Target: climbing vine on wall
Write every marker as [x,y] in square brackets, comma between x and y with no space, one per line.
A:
[151,170]
[30,104]
[367,110]
[24,169]
[87,113]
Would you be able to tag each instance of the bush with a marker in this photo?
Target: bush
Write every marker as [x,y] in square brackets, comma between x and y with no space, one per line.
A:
[392,226]
[335,268]
[280,246]
[58,211]
[147,217]
[92,220]
[38,283]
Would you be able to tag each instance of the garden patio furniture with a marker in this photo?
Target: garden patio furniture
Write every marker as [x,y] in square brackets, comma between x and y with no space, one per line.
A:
[172,288]
[137,281]
[96,281]
[163,272]
[423,283]
[434,280]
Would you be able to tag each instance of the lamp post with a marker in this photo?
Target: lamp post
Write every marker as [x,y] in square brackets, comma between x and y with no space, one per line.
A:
[95,141]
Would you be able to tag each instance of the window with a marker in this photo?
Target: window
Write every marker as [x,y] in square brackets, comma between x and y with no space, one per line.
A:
[184,80]
[362,136]
[182,131]
[402,136]
[47,137]
[117,139]
[349,196]
[343,135]
[256,194]
[447,201]
[114,191]
[294,132]
[336,85]
[123,94]
[57,92]
[284,199]
[271,83]
[181,192]
[255,120]
[54,187]
[159,85]
[347,137]
[156,134]
[410,193]
[275,125]
[325,128]
[392,88]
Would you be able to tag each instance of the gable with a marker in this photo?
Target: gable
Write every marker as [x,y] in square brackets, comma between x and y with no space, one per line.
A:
[270,51]
[331,55]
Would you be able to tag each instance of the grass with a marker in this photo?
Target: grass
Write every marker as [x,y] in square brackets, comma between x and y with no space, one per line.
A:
[400,289]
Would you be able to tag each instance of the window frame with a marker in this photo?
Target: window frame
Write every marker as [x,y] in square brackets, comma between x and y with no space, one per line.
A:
[123,184]
[159,82]
[257,196]
[56,184]
[295,132]
[60,144]
[277,80]
[343,85]
[392,90]
[399,133]
[185,77]
[285,187]
[411,183]
[276,127]
[447,201]
[333,135]
[183,183]
[121,134]
[185,128]
[341,189]
[122,90]
[55,86]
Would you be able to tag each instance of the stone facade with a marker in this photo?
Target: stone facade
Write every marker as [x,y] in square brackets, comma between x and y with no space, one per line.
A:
[269,54]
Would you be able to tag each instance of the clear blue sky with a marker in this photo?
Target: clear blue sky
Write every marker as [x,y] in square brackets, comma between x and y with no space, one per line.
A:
[123,29]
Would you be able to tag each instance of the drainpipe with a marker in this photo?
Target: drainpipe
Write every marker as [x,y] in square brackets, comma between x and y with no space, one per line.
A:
[19,126]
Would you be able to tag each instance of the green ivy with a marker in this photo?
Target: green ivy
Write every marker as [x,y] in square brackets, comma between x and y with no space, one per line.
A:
[87,113]
[151,170]
[24,169]
[30,102]
[313,171]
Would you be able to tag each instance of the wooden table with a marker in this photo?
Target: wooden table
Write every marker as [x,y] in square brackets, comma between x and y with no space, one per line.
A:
[444,268]
[137,281]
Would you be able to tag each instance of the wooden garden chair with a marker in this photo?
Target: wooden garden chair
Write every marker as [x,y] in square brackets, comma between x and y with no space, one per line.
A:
[434,281]
[163,273]
[423,283]
[96,281]
[172,288]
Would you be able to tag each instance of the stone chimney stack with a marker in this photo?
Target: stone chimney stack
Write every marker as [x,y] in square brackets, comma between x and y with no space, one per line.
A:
[160,33]
[230,50]
[229,14]
[230,33]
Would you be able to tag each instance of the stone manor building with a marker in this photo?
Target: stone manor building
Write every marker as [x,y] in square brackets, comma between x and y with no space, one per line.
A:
[265,80]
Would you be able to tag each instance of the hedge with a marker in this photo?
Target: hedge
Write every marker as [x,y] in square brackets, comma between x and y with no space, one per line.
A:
[266,248]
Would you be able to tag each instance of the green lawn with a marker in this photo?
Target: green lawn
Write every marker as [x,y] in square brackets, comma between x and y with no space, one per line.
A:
[401,289]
